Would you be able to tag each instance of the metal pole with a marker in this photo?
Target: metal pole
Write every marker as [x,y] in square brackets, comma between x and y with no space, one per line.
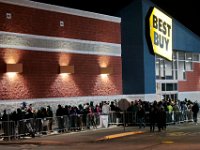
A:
[124,114]
[124,120]
[8,127]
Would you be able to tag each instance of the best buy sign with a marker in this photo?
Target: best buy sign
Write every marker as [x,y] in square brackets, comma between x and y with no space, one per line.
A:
[161,33]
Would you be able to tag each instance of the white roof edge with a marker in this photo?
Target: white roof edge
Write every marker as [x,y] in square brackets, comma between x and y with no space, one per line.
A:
[60,9]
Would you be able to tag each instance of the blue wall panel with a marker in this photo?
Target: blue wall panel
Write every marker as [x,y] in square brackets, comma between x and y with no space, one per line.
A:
[184,39]
[149,56]
[132,49]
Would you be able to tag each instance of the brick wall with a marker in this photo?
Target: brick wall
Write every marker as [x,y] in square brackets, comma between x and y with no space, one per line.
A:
[192,82]
[41,22]
[41,78]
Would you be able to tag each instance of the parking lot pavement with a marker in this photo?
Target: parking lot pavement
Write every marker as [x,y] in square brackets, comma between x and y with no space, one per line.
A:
[81,136]
[90,135]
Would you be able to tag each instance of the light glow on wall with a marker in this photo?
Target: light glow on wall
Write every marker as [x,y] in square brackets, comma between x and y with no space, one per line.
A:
[64,59]
[104,76]
[104,61]
[11,56]
[64,75]
[105,85]
[63,86]
[199,84]
[12,76]
[15,86]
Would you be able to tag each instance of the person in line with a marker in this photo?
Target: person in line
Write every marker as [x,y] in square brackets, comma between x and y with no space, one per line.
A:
[152,118]
[50,118]
[161,119]
[104,119]
[141,117]
[195,110]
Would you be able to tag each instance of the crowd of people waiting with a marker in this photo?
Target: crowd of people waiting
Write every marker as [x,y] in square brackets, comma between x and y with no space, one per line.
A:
[164,112]
[68,116]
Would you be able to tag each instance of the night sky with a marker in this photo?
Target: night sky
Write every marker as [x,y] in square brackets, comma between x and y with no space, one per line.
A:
[186,12]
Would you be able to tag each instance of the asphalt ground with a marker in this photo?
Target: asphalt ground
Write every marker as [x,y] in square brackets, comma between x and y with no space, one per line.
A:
[184,136]
[85,136]
[106,134]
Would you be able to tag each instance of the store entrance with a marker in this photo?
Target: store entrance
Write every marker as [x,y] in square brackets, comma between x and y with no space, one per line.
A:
[166,90]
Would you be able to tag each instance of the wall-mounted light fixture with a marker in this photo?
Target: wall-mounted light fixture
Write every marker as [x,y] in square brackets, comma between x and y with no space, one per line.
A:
[15,68]
[106,70]
[62,23]
[8,16]
[67,69]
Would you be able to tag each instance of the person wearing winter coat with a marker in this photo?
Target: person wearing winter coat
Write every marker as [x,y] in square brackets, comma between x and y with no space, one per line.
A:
[195,110]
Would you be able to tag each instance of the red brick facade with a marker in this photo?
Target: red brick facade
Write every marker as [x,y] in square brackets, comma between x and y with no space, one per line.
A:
[41,22]
[192,82]
[40,77]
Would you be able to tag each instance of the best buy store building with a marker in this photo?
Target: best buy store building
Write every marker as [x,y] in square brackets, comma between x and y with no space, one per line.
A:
[160,55]
[65,56]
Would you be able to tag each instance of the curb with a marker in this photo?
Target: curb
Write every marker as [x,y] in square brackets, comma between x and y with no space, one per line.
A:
[114,136]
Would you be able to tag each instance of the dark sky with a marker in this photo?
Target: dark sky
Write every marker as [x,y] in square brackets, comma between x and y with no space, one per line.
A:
[186,12]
